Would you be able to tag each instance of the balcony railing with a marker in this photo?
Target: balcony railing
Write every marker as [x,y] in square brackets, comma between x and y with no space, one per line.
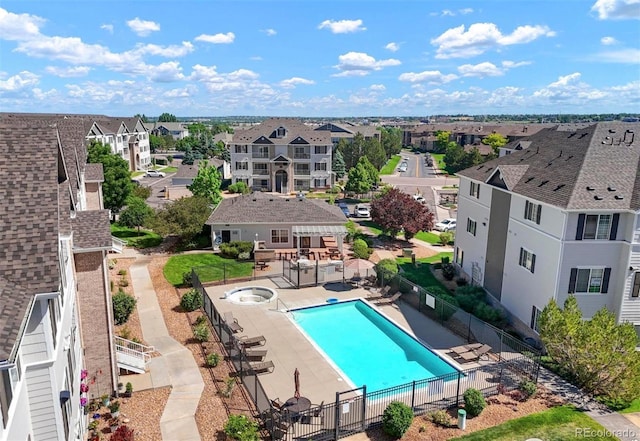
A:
[302,172]
[261,172]
[301,156]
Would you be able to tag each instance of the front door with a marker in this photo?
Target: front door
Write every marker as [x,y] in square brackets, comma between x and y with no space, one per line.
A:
[226,236]
[281,181]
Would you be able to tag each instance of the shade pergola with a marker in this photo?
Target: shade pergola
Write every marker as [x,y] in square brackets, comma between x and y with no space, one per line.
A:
[337,231]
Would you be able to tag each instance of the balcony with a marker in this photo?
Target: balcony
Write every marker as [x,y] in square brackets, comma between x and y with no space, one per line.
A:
[302,172]
[301,156]
[261,172]
[132,356]
[260,155]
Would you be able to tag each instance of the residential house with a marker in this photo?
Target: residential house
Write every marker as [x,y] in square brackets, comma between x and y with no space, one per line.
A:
[278,221]
[127,137]
[557,218]
[55,314]
[175,129]
[348,131]
[282,155]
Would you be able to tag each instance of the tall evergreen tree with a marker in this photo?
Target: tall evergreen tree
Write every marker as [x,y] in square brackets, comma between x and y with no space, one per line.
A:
[337,164]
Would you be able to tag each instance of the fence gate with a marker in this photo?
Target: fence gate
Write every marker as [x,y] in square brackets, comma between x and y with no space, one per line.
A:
[350,413]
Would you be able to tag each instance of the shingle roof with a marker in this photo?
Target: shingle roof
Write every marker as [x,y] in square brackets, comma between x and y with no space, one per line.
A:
[93,173]
[91,229]
[259,208]
[191,171]
[295,128]
[576,167]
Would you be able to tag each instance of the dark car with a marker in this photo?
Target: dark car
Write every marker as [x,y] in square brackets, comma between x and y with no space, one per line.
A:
[344,208]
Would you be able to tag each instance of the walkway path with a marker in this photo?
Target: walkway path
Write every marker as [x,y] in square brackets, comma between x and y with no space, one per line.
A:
[176,365]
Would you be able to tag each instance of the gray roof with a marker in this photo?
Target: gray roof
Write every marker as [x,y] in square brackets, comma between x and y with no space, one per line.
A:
[294,129]
[573,167]
[93,173]
[91,230]
[263,208]
[191,171]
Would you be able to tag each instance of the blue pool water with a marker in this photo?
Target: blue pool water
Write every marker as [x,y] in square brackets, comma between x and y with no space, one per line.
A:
[367,347]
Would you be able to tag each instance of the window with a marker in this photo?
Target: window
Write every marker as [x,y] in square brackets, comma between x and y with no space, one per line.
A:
[241,149]
[527,259]
[261,151]
[321,150]
[279,236]
[320,166]
[6,394]
[535,316]
[474,190]
[635,288]
[301,153]
[471,226]
[54,316]
[532,212]
[301,184]
[459,256]
[260,169]
[597,226]
[242,166]
[301,169]
[320,183]
[589,280]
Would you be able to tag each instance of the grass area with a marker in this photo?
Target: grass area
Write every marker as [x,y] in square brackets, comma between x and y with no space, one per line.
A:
[439,158]
[390,167]
[372,226]
[634,407]
[216,267]
[557,424]
[135,174]
[429,237]
[422,275]
[168,169]
[135,238]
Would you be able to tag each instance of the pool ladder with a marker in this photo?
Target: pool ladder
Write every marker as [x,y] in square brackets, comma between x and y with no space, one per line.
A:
[285,310]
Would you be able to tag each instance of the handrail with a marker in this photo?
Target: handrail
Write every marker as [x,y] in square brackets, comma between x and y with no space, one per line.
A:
[287,309]
[134,349]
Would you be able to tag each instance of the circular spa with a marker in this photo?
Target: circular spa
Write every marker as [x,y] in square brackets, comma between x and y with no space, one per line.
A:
[251,295]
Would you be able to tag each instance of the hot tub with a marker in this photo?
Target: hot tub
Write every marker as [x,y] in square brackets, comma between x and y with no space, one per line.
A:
[250,295]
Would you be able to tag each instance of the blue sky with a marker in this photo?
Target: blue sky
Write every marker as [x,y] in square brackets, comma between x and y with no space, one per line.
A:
[311,58]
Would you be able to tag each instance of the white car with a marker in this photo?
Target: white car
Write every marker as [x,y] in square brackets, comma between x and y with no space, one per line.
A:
[446,225]
[361,211]
[419,198]
[154,174]
[403,167]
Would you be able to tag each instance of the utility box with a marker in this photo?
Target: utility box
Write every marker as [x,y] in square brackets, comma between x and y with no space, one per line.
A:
[462,419]
[407,252]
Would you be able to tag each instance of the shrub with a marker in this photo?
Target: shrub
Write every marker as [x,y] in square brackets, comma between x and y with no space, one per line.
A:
[489,314]
[244,255]
[213,359]
[360,249]
[123,305]
[448,271]
[129,388]
[613,403]
[387,268]
[229,384]
[397,419]
[123,282]
[446,310]
[445,259]
[474,402]
[187,279]
[229,251]
[238,187]
[241,428]
[201,332]
[122,272]
[122,433]
[446,238]
[461,281]
[191,300]
[440,417]
[528,388]
[201,319]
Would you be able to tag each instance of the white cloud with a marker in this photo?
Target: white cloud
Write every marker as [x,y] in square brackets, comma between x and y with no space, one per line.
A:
[19,27]
[481,70]
[166,72]
[165,51]
[466,11]
[107,27]
[447,13]
[481,37]
[227,38]
[450,13]
[360,64]
[617,9]
[270,32]
[342,26]
[608,41]
[432,77]
[294,81]
[68,72]
[569,90]
[182,92]
[623,56]
[16,83]
[377,87]
[393,47]
[256,58]
[142,27]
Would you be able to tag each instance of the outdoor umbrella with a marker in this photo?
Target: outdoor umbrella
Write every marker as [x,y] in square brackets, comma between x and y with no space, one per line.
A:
[296,380]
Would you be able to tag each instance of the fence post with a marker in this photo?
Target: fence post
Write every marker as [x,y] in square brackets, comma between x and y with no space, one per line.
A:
[501,338]
[469,328]
[336,416]
[458,390]
[317,262]
[364,406]
[413,395]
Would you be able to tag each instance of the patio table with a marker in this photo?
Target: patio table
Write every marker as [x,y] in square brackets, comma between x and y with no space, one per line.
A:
[293,406]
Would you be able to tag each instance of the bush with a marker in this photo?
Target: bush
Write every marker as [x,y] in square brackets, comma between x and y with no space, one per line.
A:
[528,388]
[387,268]
[191,300]
[122,272]
[445,259]
[397,419]
[213,359]
[469,296]
[201,319]
[489,314]
[244,256]
[461,281]
[446,310]
[613,403]
[232,250]
[122,433]
[123,305]
[201,332]
[360,249]
[448,271]
[187,279]
[241,428]
[238,187]
[446,238]
[474,402]
[440,417]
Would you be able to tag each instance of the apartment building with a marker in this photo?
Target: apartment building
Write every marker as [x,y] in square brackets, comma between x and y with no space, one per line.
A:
[55,314]
[559,215]
[127,137]
[282,155]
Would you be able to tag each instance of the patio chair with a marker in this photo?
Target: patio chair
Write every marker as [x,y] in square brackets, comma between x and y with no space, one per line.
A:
[265,367]
[465,348]
[388,300]
[316,417]
[232,322]
[276,403]
[475,354]
[256,355]
[245,342]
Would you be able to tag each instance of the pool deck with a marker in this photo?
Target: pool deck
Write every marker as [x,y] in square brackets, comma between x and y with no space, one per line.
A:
[288,348]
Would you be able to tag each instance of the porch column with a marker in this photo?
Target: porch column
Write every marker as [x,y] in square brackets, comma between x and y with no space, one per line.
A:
[339,240]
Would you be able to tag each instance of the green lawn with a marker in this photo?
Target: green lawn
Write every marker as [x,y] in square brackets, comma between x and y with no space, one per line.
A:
[135,238]
[439,158]
[557,424]
[634,407]
[422,275]
[168,169]
[373,227]
[135,174]
[214,267]
[432,238]
[390,167]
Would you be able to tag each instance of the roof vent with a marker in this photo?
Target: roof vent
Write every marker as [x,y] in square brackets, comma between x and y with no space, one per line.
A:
[542,183]
[529,180]
[618,197]
[612,131]
[589,188]
[598,198]
[610,188]
[558,187]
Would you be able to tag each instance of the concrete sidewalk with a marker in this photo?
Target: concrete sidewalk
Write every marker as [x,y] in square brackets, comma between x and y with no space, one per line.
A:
[175,366]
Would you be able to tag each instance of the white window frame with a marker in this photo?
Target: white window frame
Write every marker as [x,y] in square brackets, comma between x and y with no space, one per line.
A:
[241,149]
[242,165]
[277,236]
[535,319]
[527,260]
[598,233]
[474,190]
[320,166]
[321,150]
[594,281]
[471,226]
[532,212]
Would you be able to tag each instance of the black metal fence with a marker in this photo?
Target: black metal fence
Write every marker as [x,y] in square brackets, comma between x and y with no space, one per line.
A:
[318,272]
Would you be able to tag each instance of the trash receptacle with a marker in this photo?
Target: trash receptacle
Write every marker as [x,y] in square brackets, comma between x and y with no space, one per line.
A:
[462,419]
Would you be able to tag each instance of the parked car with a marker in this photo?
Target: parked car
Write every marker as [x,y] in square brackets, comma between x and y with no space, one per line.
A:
[419,198]
[403,167]
[154,174]
[361,211]
[345,209]
[445,225]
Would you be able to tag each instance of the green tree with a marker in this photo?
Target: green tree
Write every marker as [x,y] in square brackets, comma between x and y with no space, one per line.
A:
[375,153]
[495,140]
[142,117]
[454,157]
[184,218]
[442,141]
[167,117]
[358,180]
[599,354]
[338,165]
[391,140]
[156,143]
[207,183]
[135,213]
[168,142]
[372,171]
[117,179]
[352,151]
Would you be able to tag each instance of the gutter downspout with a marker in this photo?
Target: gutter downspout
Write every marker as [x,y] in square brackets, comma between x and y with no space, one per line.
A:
[112,349]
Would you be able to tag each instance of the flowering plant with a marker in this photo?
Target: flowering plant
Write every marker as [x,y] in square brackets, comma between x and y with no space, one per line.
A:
[83,374]
[84,388]
[83,401]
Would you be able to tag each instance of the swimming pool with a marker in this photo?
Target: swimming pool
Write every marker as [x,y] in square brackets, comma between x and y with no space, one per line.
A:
[367,347]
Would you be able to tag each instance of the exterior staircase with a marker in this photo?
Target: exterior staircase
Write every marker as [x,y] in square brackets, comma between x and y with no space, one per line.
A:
[132,356]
